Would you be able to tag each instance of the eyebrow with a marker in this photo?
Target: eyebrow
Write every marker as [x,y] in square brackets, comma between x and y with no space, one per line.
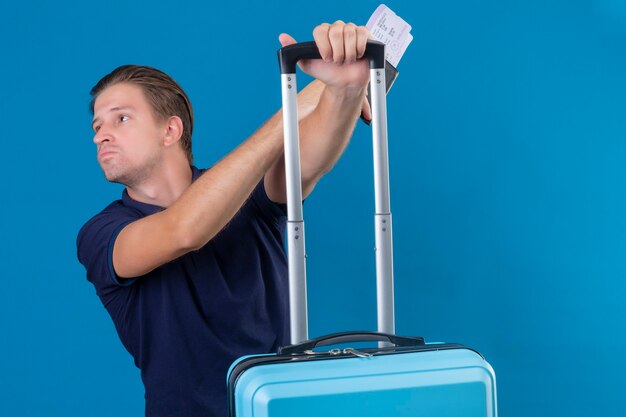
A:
[112,109]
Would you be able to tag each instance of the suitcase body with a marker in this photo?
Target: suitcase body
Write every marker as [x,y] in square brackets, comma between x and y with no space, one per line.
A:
[442,380]
[399,376]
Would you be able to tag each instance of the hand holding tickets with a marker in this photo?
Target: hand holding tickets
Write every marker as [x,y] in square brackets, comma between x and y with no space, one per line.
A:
[390,29]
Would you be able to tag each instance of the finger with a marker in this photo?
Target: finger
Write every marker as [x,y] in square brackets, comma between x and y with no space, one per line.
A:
[320,35]
[286,39]
[335,36]
[362,35]
[349,36]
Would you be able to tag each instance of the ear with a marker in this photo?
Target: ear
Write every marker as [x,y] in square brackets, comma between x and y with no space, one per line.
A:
[173,130]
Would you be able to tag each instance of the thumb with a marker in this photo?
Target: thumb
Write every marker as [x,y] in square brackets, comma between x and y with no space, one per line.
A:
[286,39]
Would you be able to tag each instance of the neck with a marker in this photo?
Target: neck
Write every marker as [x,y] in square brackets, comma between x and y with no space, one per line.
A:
[164,186]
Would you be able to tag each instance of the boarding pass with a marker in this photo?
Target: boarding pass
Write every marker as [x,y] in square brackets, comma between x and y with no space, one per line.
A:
[390,29]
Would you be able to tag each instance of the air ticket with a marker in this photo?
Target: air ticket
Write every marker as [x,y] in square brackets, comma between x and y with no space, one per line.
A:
[390,29]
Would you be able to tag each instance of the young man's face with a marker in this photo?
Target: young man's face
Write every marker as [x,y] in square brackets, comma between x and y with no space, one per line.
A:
[128,136]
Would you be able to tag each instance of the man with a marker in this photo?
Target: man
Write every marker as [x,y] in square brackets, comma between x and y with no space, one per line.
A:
[190,264]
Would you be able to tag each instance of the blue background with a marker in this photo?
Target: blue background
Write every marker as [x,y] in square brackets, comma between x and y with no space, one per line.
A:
[508,178]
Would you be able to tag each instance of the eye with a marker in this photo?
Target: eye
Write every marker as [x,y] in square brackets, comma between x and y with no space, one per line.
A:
[123,118]
[96,128]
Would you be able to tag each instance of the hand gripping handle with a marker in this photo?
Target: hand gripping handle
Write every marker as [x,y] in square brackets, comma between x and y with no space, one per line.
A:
[289,56]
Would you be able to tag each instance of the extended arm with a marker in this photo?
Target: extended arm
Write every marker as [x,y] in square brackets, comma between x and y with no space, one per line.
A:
[329,109]
[207,205]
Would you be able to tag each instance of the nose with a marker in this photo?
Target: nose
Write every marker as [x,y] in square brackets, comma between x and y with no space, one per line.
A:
[102,135]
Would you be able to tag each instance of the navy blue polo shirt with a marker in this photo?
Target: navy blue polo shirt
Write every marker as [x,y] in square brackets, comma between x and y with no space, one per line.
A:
[185,322]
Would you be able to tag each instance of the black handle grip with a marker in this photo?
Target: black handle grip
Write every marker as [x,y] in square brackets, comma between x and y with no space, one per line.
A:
[289,56]
[349,337]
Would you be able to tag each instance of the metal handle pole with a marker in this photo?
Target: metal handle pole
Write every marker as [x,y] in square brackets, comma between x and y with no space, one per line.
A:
[295,222]
[382,218]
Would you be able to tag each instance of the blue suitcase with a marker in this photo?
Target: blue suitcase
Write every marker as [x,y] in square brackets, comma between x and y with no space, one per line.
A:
[398,376]
[412,378]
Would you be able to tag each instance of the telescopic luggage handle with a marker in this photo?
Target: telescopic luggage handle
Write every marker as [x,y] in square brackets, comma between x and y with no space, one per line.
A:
[288,58]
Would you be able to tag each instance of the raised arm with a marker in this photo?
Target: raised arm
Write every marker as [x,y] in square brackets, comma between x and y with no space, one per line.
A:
[325,132]
[328,108]
[207,205]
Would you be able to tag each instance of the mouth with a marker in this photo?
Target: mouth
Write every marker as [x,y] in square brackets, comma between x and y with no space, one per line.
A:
[105,153]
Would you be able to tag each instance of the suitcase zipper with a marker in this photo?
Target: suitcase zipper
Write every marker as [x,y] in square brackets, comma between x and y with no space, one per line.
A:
[336,352]
[357,353]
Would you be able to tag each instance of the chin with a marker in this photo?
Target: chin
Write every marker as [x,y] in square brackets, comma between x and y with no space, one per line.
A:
[113,175]
[113,179]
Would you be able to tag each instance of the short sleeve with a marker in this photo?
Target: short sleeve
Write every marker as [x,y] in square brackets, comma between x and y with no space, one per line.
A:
[95,248]
[275,212]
